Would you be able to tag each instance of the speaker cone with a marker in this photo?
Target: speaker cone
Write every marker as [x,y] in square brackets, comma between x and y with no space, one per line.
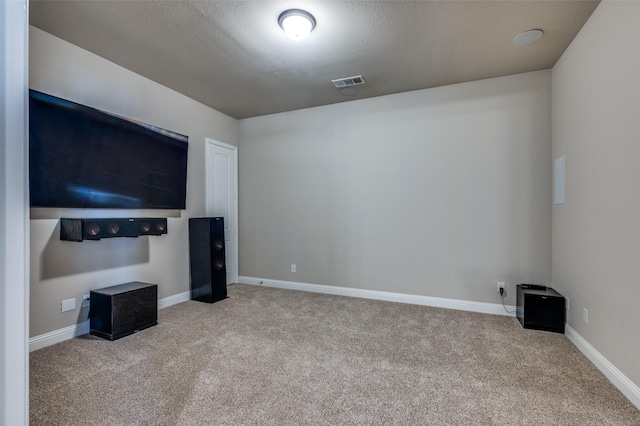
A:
[145,227]
[113,228]
[218,264]
[93,229]
[217,245]
[160,226]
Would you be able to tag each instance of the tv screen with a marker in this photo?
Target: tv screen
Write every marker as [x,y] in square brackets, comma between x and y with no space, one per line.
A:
[81,157]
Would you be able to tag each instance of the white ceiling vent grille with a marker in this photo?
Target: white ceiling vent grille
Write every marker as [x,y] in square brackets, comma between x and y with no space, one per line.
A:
[349,81]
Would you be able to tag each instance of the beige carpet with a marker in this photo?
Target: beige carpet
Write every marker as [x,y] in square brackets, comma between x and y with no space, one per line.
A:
[276,357]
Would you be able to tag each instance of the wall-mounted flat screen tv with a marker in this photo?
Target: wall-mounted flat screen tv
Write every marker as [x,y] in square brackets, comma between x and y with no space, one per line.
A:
[81,157]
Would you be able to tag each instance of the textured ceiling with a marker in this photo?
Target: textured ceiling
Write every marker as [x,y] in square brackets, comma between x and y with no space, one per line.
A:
[233,56]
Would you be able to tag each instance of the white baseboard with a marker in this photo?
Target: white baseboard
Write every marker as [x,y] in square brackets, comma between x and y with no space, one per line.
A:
[174,300]
[439,302]
[619,380]
[57,336]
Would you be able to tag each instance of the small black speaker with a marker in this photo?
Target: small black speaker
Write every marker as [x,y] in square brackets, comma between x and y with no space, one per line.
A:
[207,259]
[540,308]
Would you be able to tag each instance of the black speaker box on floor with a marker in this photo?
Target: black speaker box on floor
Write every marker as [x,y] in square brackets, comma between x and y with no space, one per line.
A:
[123,309]
[95,229]
[540,308]
[207,259]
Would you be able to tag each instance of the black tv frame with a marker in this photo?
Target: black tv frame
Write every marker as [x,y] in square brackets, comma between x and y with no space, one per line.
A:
[84,158]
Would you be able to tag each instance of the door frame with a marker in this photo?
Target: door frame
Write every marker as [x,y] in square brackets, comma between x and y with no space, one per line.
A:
[14,213]
[234,178]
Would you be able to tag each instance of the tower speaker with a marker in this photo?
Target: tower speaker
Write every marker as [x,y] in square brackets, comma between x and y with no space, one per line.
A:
[207,259]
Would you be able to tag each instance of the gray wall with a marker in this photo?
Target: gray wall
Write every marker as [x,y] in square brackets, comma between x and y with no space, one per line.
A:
[596,234]
[62,270]
[440,192]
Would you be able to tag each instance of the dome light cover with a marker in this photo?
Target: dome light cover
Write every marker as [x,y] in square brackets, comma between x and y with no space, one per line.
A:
[297,23]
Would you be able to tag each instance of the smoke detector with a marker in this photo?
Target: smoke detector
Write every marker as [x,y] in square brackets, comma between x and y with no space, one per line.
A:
[348,81]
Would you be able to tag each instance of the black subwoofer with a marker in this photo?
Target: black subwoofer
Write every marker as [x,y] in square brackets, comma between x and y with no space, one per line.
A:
[207,259]
[540,309]
[123,309]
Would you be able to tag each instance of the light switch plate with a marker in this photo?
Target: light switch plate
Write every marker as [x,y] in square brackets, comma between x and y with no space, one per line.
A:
[68,305]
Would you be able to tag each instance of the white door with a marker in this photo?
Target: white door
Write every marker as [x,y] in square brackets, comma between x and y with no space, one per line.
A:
[222,197]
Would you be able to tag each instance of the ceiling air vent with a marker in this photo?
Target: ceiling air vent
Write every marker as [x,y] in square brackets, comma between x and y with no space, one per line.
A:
[349,81]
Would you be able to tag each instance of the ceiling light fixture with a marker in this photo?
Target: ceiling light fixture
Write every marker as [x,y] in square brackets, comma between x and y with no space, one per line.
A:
[527,37]
[297,23]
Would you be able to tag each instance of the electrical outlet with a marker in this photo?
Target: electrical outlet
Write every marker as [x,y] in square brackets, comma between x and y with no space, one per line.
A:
[501,286]
[585,315]
[68,305]
[293,267]
[85,301]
